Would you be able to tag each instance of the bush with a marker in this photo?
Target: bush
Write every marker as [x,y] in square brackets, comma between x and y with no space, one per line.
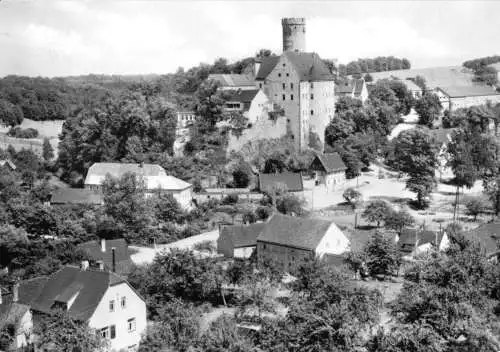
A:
[18,132]
[230,199]
[205,246]
[475,206]
[263,212]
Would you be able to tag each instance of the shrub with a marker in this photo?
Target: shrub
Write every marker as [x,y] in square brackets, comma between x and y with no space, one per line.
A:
[263,212]
[475,206]
[18,132]
[230,199]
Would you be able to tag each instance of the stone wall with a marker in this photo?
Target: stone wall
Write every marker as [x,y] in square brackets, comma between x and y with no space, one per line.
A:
[264,128]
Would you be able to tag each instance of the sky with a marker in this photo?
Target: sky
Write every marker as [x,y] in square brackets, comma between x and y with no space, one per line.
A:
[61,38]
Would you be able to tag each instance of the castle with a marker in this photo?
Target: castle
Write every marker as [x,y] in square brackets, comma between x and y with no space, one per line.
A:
[300,83]
[297,82]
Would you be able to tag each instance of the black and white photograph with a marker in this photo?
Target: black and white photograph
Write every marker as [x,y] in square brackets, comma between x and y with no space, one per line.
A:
[249,176]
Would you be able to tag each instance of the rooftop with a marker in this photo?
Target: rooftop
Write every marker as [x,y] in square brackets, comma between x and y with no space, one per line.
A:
[122,255]
[292,181]
[76,196]
[243,235]
[296,232]
[468,91]
[85,288]
[154,175]
[242,96]
[233,80]
[331,162]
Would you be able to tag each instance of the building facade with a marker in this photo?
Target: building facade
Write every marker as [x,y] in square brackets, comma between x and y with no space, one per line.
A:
[329,170]
[300,83]
[457,97]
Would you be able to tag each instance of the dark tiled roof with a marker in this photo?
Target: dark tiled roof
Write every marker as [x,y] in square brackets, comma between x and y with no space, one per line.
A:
[89,287]
[293,181]
[29,290]
[488,235]
[122,256]
[414,237]
[309,66]
[344,88]
[468,91]
[233,80]
[77,196]
[242,95]
[332,162]
[267,65]
[243,236]
[294,232]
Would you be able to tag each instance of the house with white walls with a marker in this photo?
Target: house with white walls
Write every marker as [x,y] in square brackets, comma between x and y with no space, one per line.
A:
[104,300]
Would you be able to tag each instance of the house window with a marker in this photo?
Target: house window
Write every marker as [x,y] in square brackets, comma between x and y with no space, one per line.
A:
[279,74]
[131,325]
[291,85]
[283,96]
[291,96]
[312,112]
[284,64]
[260,85]
[312,96]
[124,302]
[312,85]
[284,85]
[288,75]
[112,331]
[111,306]
[105,333]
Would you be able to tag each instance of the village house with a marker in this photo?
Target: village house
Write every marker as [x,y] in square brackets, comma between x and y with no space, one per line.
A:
[443,137]
[253,103]
[110,255]
[287,240]
[16,315]
[300,83]
[156,180]
[76,196]
[102,299]
[291,181]
[329,170]
[456,97]
[7,164]
[234,81]
[353,88]
[488,237]
[415,90]
[239,241]
[416,241]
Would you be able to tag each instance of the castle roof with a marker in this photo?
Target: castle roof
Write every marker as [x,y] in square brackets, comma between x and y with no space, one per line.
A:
[309,66]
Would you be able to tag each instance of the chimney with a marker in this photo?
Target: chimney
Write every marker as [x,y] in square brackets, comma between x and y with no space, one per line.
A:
[103,245]
[113,250]
[100,263]
[15,292]
[84,265]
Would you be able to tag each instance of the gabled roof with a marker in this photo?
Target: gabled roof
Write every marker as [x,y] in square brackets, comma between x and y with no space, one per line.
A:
[468,91]
[87,289]
[295,232]
[233,80]
[344,88]
[154,175]
[76,196]
[267,65]
[332,162]
[309,66]
[122,255]
[292,181]
[488,236]
[417,237]
[242,96]
[243,235]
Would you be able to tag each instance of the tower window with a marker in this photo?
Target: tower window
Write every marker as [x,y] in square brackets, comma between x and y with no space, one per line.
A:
[312,96]
[312,85]
[312,112]
[291,96]
[284,64]
[283,96]
[284,85]
[260,85]
[291,84]
[279,74]
[288,75]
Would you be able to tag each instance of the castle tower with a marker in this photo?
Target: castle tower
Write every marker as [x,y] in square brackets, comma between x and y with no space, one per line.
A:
[294,34]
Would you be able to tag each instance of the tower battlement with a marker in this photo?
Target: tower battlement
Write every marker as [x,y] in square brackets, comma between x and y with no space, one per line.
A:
[294,34]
